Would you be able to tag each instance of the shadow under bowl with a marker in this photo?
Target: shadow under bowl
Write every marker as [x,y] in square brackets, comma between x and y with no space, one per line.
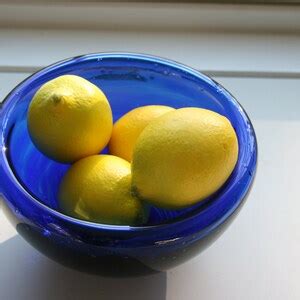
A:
[29,181]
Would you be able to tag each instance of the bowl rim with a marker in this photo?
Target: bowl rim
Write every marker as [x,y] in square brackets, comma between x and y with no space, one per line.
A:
[129,55]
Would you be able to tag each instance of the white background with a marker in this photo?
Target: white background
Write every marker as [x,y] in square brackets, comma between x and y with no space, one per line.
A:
[258,257]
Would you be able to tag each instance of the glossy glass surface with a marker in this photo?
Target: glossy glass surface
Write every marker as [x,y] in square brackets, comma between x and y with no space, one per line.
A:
[29,180]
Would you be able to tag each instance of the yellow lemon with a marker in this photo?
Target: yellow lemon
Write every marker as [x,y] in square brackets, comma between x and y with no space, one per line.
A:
[69,118]
[128,128]
[98,188]
[183,157]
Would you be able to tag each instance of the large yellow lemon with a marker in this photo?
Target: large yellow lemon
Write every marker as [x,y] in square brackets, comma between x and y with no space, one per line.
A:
[128,128]
[69,118]
[183,157]
[98,188]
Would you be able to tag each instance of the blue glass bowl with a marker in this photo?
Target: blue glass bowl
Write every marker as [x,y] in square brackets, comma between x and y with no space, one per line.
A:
[29,180]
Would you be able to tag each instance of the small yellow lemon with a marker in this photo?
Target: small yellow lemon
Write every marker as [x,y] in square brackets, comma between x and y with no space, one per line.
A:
[128,128]
[69,118]
[98,189]
[183,157]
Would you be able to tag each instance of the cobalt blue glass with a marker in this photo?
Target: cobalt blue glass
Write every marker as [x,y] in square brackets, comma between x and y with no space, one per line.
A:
[29,180]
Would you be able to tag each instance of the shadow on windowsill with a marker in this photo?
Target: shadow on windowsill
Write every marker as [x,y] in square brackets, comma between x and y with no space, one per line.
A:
[26,274]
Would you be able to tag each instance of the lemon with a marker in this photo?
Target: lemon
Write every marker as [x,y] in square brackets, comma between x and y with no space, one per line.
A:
[98,188]
[69,118]
[128,128]
[183,157]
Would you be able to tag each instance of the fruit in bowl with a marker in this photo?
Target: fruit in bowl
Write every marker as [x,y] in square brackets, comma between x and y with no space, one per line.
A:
[32,180]
[129,127]
[69,118]
[183,157]
[180,157]
[98,189]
